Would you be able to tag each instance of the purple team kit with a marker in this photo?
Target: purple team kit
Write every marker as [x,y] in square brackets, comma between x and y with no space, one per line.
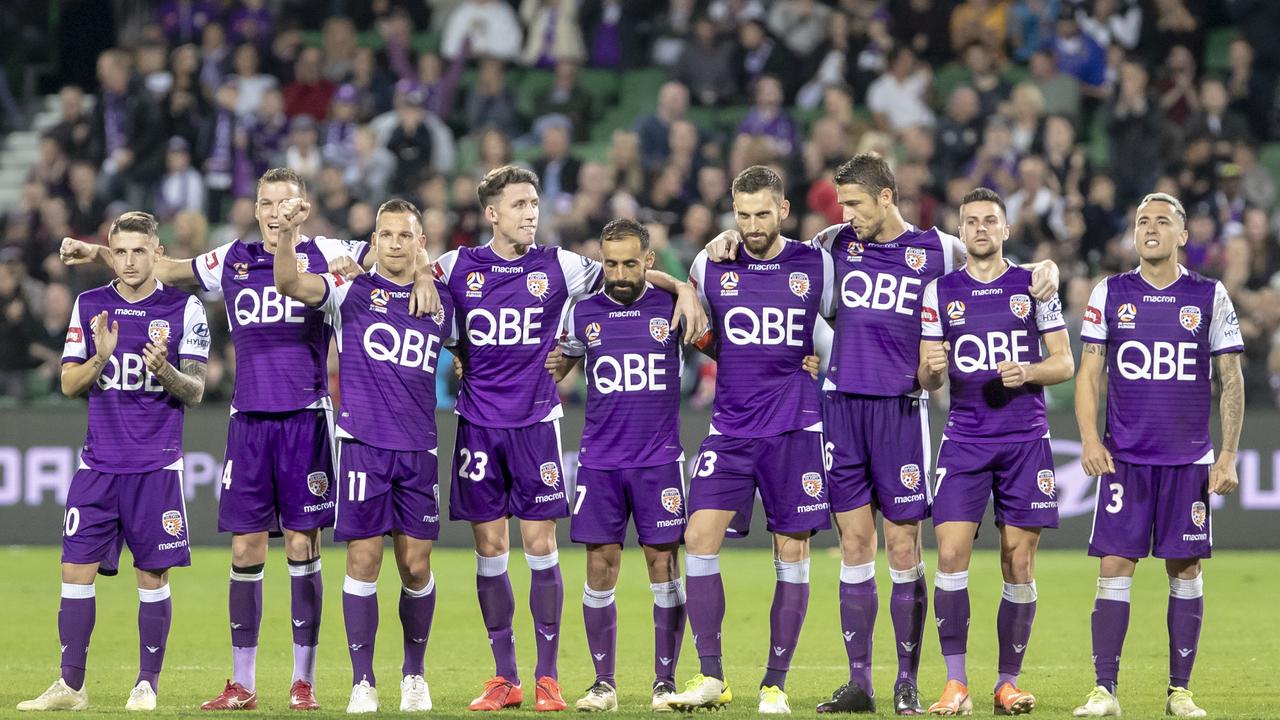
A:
[129,485]
[279,467]
[996,439]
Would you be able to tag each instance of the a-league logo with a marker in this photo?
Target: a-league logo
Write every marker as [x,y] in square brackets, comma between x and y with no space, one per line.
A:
[1020,305]
[799,284]
[318,483]
[241,268]
[671,500]
[171,521]
[955,309]
[158,331]
[592,331]
[659,329]
[855,251]
[909,474]
[1045,481]
[1126,314]
[1189,318]
[916,258]
[812,484]
[1198,514]
[538,284]
[475,281]
[549,473]
[729,283]
[379,297]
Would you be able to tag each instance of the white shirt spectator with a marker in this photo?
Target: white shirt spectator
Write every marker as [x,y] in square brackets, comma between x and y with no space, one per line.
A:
[490,25]
[901,102]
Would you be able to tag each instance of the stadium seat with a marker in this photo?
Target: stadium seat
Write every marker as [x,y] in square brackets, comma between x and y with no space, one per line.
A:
[1215,48]
[948,78]
[531,85]
[601,85]
[1269,158]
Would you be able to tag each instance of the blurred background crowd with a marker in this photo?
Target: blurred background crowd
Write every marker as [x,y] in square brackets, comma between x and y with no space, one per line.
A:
[1071,109]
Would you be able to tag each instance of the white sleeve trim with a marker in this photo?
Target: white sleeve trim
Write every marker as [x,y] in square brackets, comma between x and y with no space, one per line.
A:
[827,238]
[1224,328]
[952,249]
[209,267]
[569,342]
[76,345]
[444,265]
[827,305]
[195,331]
[1095,314]
[580,273]
[930,321]
[333,248]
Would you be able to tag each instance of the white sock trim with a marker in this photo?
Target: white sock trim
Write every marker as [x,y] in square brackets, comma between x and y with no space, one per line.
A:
[1114,588]
[491,566]
[792,572]
[951,581]
[854,574]
[426,590]
[352,586]
[668,594]
[910,575]
[1021,593]
[701,565]
[246,577]
[1187,589]
[310,568]
[157,595]
[543,562]
[72,591]
[596,598]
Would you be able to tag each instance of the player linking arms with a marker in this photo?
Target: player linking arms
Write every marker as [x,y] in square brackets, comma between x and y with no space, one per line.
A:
[129,485]
[980,328]
[1155,464]
[387,483]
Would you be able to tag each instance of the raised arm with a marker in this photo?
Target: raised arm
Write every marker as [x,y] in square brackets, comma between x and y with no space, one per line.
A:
[306,288]
[78,377]
[1222,477]
[1093,455]
[170,271]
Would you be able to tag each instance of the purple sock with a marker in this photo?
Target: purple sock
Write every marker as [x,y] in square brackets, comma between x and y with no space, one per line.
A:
[951,610]
[705,606]
[1109,623]
[245,609]
[1185,615]
[417,608]
[76,615]
[498,608]
[307,598]
[786,617]
[360,615]
[546,603]
[155,612]
[600,615]
[858,607]
[668,628]
[908,606]
[1013,629]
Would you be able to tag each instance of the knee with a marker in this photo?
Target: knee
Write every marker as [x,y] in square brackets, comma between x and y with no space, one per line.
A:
[1019,565]
[952,559]
[791,549]
[540,545]
[415,573]
[247,552]
[492,546]
[904,552]
[302,545]
[700,541]
[662,565]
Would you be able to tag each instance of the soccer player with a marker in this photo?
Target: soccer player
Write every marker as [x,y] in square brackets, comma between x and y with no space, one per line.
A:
[278,468]
[982,330]
[765,435]
[510,296]
[386,430]
[122,343]
[1161,332]
[875,418]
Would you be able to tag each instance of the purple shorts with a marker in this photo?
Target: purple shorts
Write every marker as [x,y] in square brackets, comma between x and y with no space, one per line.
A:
[381,490]
[604,499]
[1144,505]
[501,472]
[1019,475]
[879,454]
[278,473]
[786,469]
[144,511]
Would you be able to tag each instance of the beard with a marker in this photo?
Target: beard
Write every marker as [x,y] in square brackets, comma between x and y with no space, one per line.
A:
[759,245]
[625,292]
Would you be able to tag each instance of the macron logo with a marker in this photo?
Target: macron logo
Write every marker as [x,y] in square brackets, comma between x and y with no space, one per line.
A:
[908,646]
[1184,651]
[418,641]
[940,621]
[665,661]
[599,656]
[236,626]
[299,623]
[778,650]
[152,649]
[355,647]
[1019,648]
[848,636]
[549,636]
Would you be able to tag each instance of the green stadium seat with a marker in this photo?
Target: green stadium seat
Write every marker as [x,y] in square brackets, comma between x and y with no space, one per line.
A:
[592,151]
[424,42]
[531,85]
[468,153]
[601,85]
[1269,158]
[639,88]
[1215,48]
[370,39]
[948,78]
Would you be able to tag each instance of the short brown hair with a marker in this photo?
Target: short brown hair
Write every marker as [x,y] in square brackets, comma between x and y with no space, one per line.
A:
[869,170]
[285,175]
[1166,198]
[398,205]
[497,179]
[985,194]
[134,222]
[624,228]
[757,178]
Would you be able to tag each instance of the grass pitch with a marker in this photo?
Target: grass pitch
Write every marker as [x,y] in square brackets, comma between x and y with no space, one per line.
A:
[1235,675]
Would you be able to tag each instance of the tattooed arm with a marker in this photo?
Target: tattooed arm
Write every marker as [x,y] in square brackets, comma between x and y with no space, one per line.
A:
[1222,477]
[186,384]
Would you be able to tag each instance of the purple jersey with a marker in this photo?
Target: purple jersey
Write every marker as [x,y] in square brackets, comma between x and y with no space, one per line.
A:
[987,324]
[281,345]
[387,360]
[509,314]
[135,425]
[1159,343]
[763,313]
[877,341]
[633,362]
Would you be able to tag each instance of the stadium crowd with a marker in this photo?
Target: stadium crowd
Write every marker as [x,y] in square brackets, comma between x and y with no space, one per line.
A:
[1071,109]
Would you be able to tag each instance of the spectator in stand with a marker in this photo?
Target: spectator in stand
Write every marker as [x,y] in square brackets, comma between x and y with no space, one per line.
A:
[713,191]
[1032,207]
[268,130]
[897,98]
[995,163]
[340,42]
[1134,127]
[1172,23]
[302,152]
[758,54]
[1069,171]
[182,187]
[959,133]
[360,221]
[88,209]
[332,199]
[993,90]
[21,330]
[396,59]
[1061,92]
[251,21]
[767,118]
[706,65]
[1176,88]
[309,93]
[1216,120]
[1112,22]
[487,28]
[339,144]
[251,83]
[1078,55]
[370,169]
[127,131]
[374,88]
[624,169]
[1250,90]
[214,51]
[673,103]
[75,129]
[183,21]
[611,34]
[1031,26]
[217,147]
[491,103]
[556,168]
[553,35]
[802,24]
[51,165]
[410,142]
[1025,110]
[979,21]
[924,27]
[566,97]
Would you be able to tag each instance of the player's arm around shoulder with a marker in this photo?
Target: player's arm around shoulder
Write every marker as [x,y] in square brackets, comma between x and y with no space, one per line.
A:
[569,351]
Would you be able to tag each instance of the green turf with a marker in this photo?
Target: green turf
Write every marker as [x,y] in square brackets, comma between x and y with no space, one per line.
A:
[1234,676]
